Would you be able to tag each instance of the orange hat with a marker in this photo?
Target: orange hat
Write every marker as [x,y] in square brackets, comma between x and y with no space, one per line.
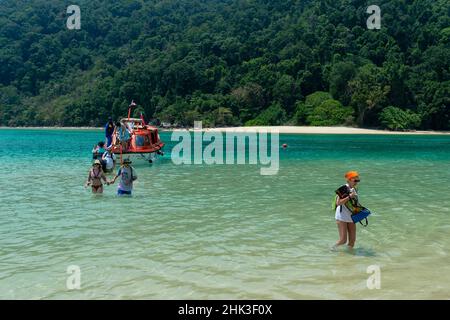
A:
[351,174]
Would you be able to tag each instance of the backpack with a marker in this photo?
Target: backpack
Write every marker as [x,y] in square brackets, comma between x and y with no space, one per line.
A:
[359,212]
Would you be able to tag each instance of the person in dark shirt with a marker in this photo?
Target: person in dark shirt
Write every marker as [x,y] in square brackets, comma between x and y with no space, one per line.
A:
[109,130]
[98,151]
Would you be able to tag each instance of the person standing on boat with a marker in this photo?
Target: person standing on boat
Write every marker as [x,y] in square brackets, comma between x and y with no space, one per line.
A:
[123,135]
[109,130]
[95,177]
[127,176]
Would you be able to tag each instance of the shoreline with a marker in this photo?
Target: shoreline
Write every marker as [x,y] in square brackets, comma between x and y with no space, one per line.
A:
[280,129]
[325,130]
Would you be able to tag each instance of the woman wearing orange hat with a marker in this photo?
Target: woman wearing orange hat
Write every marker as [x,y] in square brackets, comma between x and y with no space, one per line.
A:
[346,226]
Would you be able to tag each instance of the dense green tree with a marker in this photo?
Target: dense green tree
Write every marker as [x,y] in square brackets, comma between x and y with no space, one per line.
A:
[286,91]
[394,118]
[341,74]
[202,59]
[330,113]
[275,115]
[305,109]
[251,99]
[369,91]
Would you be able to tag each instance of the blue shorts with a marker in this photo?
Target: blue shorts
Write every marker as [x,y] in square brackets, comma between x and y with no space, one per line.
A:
[121,192]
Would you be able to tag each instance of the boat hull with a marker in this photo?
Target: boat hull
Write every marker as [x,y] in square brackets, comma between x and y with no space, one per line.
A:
[153,149]
[136,140]
[139,157]
[148,155]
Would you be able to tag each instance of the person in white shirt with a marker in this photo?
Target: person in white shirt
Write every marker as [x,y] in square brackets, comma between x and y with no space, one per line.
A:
[109,159]
[127,176]
[345,224]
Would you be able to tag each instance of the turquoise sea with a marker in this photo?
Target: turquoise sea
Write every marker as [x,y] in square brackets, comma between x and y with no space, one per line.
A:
[224,231]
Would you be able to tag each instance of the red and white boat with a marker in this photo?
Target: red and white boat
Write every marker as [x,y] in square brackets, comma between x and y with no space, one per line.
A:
[143,143]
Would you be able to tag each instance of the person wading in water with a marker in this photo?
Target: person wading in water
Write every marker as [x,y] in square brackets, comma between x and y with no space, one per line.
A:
[127,176]
[95,177]
[343,215]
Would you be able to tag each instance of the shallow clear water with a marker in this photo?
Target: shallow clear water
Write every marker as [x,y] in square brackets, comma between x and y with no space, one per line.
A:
[224,231]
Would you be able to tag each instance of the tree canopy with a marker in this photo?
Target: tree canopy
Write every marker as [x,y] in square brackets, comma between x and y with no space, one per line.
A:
[226,62]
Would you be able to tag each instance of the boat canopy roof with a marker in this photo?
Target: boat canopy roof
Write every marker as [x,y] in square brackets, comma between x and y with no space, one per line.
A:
[136,123]
[135,120]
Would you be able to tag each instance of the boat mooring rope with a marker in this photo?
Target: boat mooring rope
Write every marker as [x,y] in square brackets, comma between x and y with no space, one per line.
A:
[121,160]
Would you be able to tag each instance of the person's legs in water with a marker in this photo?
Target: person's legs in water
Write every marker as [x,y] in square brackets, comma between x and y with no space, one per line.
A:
[342,228]
[123,193]
[103,162]
[351,230]
[97,189]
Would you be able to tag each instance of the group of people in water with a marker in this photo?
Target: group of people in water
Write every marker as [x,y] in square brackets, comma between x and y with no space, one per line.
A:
[126,175]
[104,161]
[105,156]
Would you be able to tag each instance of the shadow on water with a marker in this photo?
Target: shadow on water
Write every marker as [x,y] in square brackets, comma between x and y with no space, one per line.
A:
[363,252]
[359,252]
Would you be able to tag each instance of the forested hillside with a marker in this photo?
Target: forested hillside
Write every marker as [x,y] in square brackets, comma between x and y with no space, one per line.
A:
[227,62]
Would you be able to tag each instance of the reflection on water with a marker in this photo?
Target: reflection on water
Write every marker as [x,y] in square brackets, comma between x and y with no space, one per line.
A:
[364,252]
[218,232]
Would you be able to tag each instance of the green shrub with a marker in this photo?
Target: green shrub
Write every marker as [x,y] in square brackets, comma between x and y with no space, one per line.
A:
[301,113]
[330,113]
[275,115]
[396,119]
[304,109]
[317,98]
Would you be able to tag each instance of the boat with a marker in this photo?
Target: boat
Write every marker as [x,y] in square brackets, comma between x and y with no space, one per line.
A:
[144,141]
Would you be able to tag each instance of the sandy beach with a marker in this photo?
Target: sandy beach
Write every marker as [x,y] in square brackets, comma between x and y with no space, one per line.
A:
[319,130]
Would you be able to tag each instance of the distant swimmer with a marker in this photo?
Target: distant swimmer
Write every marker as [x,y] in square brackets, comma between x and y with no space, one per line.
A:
[127,176]
[285,145]
[346,199]
[95,177]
